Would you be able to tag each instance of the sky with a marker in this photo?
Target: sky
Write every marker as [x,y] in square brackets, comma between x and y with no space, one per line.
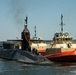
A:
[44,14]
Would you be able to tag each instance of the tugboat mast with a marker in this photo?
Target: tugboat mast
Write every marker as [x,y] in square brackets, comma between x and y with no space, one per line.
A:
[35,30]
[62,23]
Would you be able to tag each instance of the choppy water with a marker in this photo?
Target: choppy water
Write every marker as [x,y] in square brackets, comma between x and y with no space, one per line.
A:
[16,68]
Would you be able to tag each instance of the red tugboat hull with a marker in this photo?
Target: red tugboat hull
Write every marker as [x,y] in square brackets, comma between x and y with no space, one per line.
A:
[63,57]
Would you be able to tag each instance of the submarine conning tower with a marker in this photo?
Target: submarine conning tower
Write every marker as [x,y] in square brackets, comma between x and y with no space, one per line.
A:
[25,36]
[25,25]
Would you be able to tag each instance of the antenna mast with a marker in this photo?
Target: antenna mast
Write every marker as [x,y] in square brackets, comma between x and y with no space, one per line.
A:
[26,20]
[35,30]
[62,23]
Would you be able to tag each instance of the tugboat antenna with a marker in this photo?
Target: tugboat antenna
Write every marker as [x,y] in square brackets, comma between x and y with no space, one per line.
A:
[35,30]
[62,23]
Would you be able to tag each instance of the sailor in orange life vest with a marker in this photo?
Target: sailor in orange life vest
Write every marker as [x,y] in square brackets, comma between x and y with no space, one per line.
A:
[26,39]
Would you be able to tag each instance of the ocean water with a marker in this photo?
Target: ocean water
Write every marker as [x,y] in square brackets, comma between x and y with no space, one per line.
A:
[8,67]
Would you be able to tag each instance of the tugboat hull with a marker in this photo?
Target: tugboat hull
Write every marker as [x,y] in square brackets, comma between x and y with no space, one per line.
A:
[63,57]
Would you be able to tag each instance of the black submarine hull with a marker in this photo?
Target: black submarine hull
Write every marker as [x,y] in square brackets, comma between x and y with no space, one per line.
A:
[23,56]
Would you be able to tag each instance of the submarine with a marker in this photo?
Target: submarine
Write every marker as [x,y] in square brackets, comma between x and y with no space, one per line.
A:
[9,50]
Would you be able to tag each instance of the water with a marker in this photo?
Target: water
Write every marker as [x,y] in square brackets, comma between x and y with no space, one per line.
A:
[15,68]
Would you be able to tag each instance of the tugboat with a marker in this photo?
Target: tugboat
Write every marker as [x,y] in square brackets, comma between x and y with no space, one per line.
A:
[37,43]
[62,48]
